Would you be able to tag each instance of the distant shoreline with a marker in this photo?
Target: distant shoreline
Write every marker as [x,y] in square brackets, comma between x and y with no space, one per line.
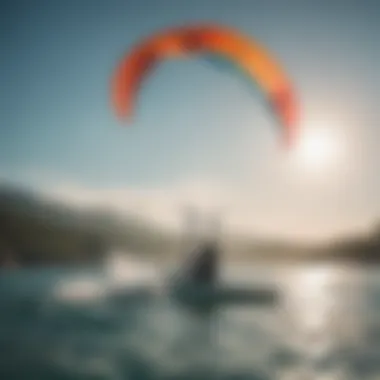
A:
[38,232]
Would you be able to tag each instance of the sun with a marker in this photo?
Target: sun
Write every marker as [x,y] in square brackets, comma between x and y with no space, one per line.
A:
[317,149]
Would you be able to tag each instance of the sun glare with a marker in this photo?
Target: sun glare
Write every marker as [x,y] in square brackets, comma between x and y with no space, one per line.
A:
[317,149]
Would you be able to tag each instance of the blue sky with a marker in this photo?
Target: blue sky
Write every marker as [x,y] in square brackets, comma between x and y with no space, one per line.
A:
[194,122]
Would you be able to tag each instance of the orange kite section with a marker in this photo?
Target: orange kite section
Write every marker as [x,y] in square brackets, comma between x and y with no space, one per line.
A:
[188,41]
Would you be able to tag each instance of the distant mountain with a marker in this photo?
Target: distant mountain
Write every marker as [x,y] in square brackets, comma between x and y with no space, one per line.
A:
[31,223]
[28,203]
[37,229]
[43,230]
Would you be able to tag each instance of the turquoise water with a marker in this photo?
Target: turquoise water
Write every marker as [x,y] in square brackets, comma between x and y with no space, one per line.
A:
[69,324]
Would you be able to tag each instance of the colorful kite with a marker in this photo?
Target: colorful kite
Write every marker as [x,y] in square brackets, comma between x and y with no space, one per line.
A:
[207,41]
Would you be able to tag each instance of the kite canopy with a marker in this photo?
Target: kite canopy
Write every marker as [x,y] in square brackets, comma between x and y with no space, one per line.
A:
[205,41]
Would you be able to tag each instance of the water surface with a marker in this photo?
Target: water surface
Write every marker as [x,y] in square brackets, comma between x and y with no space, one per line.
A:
[67,324]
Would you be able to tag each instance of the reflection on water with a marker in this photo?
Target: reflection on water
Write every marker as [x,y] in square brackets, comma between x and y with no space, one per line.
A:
[321,320]
[70,326]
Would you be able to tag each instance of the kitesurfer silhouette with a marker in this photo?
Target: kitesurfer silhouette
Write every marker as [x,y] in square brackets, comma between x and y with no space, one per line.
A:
[204,264]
